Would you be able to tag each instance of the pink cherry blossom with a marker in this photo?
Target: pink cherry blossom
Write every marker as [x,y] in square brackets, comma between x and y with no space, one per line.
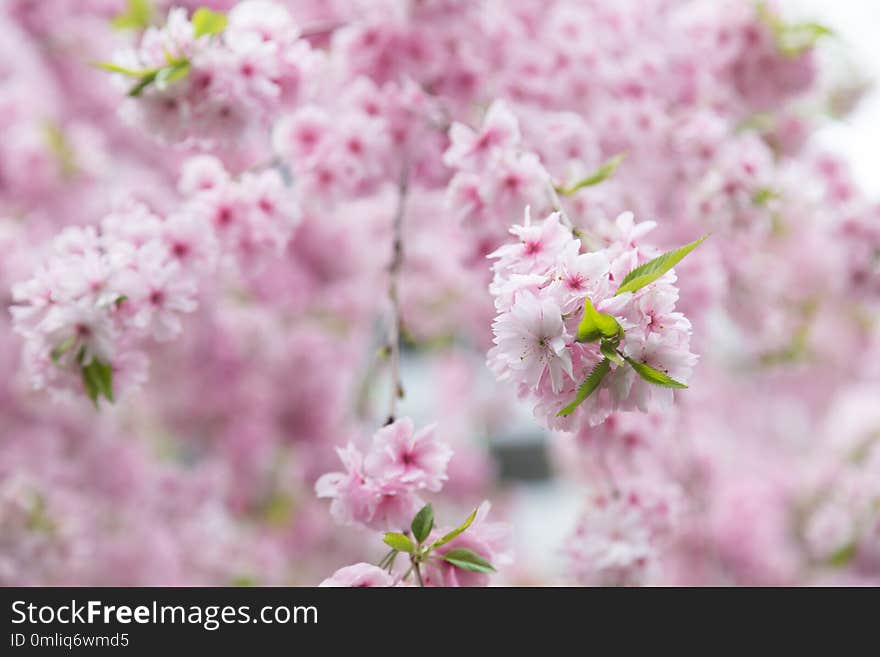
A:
[244,246]
[541,284]
[400,454]
[530,341]
[471,149]
[359,575]
[381,489]
[490,540]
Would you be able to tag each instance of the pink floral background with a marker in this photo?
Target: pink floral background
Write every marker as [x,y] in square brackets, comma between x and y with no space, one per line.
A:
[278,273]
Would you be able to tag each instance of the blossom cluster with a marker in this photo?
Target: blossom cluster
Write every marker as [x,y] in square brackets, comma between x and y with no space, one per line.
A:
[251,217]
[210,77]
[842,514]
[103,292]
[380,489]
[619,538]
[284,207]
[543,283]
[495,177]
[349,146]
[488,540]
[96,296]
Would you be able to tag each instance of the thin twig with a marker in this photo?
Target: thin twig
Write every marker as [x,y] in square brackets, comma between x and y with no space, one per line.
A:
[388,560]
[418,573]
[394,295]
[590,242]
[557,205]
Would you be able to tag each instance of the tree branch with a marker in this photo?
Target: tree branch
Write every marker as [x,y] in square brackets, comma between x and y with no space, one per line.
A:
[394,295]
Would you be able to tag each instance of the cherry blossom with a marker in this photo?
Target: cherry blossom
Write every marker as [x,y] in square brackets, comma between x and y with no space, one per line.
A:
[244,241]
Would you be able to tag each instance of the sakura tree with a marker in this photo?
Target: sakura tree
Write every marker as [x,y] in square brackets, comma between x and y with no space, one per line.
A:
[233,233]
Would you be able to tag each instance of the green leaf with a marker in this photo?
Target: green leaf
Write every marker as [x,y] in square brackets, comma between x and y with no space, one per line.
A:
[761,122]
[59,350]
[601,174]
[61,148]
[207,22]
[458,531]
[175,71]
[588,387]
[794,40]
[130,72]
[98,380]
[468,560]
[244,581]
[764,195]
[146,77]
[843,556]
[595,325]
[609,350]
[138,16]
[38,520]
[399,542]
[423,523]
[653,269]
[142,84]
[277,510]
[654,376]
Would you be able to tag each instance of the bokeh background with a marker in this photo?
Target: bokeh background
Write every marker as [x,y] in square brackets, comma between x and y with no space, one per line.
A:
[205,475]
[549,508]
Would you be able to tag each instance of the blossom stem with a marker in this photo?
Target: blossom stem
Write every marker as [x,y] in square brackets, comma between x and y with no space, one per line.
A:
[388,560]
[393,293]
[557,205]
[579,233]
[418,573]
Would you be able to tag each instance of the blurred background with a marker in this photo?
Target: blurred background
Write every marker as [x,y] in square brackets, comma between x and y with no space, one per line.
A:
[205,472]
[856,48]
[547,507]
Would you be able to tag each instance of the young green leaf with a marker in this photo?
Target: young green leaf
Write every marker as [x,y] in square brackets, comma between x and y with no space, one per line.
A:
[595,325]
[130,72]
[764,195]
[399,542]
[175,71]
[468,560]
[654,376]
[207,22]
[760,122]
[843,556]
[38,520]
[458,531]
[588,387]
[601,174]
[794,40]
[143,83]
[653,269]
[609,350]
[60,349]
[61,148]
[98,380]
[244,581]
[138,16]
[423,523]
